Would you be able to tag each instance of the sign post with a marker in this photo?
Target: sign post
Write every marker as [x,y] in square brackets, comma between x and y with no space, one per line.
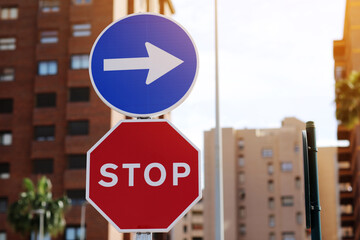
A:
[312,200]
[143,175]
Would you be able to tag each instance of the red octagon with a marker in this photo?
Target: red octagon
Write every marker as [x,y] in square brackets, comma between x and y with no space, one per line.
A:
[143,175]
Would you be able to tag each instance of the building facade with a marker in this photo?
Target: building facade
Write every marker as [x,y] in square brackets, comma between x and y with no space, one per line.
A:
[191,226]
[347,59]
[49,114]
[328,175]
[263,183]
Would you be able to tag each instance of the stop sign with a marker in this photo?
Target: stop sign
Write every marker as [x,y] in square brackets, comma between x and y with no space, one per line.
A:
[143,175]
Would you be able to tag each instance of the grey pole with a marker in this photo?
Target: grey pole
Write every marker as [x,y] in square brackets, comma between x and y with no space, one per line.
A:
[83,215]
[41,213]
[219,211]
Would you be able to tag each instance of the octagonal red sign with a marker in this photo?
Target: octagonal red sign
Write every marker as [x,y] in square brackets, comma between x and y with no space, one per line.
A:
[143,175]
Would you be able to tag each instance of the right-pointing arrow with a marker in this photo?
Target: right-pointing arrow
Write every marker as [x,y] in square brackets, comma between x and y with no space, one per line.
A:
[159,63]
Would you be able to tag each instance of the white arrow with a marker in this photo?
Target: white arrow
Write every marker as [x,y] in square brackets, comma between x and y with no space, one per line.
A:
[159,63]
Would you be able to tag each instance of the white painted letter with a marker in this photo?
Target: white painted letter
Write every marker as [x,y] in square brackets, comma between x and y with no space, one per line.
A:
[176,173]
[109,175]
[131,167]
[162,174]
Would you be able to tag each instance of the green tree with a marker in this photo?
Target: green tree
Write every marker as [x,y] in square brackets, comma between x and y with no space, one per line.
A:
[22,216]
[348,100]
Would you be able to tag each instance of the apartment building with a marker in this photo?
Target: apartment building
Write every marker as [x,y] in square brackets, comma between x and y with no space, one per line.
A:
[191,226]
[346,54]
[263,183]
[49,114]
[328,175]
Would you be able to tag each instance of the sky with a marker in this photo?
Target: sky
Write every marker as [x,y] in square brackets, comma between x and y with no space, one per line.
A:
[275,61]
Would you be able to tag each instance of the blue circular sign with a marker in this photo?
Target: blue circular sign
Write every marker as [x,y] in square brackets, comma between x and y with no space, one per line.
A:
[143,65]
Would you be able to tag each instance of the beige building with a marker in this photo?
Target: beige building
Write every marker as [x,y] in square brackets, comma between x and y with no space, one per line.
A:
[347,59]
[263,183]
[191,226]
[329,194]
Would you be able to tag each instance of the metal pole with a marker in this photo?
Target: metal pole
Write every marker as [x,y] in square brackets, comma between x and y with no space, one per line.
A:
[41,213]
[144,236]
[82,226]
[219,211]
[41,227]
[314,184]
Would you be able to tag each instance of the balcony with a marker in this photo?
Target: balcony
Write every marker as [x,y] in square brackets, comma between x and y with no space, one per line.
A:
[339,50]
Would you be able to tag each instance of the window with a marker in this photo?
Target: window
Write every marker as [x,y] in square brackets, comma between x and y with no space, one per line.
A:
[271,203]
[80,2]
[241,161]
[346,209]
[47,37]
[347,232]
[43,166]
[339,72]
[78,127]
[4,170]
[270,169]
[77,196]
[184,228]
[288,236]
[2,235]
[9,13]
[272,236]
[241,144]
[297,182]
[241,177]
[197,238]
[75,233]
[6,105]
[48,6]
[7,44]
[344,165]
[44,133]
[81,30]
[242,212]
[287,201]
[47,68]
[76,161]
[242,229]
[296,148]
[242,194]
[7,74]
[5,138]
[271,221]
[45,100]
[271,185]
[299,218]
[80,61]
[286,166]
[196,226]
[197,212]
[345,187]
[79,94]
[3,204]
[267,152]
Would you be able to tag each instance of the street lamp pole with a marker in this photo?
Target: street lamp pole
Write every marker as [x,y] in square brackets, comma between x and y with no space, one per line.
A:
[219,210]
[41,213]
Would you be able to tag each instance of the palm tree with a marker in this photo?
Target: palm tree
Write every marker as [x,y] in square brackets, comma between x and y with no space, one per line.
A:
[22,213]
[348,100]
